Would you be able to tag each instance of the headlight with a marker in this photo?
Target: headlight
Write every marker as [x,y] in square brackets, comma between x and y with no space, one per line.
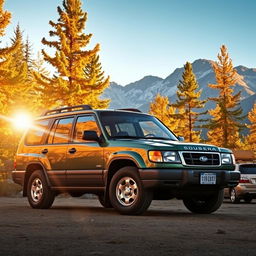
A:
[164,156]
[226,158]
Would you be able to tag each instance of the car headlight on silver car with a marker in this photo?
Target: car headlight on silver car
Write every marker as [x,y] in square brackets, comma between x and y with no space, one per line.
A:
[164,156]
[226,158]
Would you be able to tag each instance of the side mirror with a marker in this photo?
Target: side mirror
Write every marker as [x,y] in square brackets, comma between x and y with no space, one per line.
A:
[91,136]
[180,138]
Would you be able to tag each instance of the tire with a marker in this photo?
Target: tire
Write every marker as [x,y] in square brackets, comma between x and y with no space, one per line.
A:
[40,196]
[233,196]
[204,205]
[104,202]
[248,199]
[127,194]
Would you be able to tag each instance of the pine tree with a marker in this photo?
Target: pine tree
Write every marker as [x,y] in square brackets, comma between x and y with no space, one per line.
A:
[189,100]
[69,85]
[97,82]
[161,109]
[28,56]
[251,138]
[226,117]
[18,71]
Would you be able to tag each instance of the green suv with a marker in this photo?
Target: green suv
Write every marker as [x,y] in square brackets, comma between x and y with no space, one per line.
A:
[125,157]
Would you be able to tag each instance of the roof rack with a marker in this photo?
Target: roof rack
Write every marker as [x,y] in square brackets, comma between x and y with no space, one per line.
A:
[130,109]
[66,109]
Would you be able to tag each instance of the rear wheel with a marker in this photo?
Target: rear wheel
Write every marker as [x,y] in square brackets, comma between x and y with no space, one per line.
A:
[233,197]
[40,196]
[204,205]
[127,194]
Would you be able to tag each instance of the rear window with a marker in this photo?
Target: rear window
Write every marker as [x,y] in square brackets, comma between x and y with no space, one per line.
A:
[35,134]
[247,168]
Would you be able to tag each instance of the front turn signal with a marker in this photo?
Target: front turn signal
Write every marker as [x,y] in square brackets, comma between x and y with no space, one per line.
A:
[155,156]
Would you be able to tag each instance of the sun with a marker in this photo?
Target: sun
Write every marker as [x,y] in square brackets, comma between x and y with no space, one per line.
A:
[22,121]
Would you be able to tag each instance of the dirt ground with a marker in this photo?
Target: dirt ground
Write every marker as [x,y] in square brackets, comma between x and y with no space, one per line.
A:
[82,227]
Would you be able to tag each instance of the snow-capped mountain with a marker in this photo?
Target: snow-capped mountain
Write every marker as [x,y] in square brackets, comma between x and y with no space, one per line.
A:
[139,94]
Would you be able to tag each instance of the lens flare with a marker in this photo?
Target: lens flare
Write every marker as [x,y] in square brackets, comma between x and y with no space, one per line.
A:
[22,121]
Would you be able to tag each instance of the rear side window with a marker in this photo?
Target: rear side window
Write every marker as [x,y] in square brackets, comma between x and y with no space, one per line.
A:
[60,131]
[247,168]
[35,134]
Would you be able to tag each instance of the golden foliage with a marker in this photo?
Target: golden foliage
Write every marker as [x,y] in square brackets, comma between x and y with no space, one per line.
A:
[71,85]
[226,119]
[160,108]
[189,100]
[251,138]
[5,18]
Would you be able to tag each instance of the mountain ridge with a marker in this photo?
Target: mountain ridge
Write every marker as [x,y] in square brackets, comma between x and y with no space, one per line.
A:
[140,93]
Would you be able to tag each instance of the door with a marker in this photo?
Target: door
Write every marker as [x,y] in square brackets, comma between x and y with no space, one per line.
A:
[55,151]
[85,158]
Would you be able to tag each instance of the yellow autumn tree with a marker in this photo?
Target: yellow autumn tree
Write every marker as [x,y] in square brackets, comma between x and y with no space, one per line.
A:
[97,82]
[9,79]
[251,138]
[189,104]
[70,85]
[225,124]
[161,109]
[5,18]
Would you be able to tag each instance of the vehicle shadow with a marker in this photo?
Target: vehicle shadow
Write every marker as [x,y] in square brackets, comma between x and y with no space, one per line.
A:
[150,213]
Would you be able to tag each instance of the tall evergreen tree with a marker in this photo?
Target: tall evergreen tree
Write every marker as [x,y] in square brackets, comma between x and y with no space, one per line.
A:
[28,56]
[69,85]
[226,117]
[188,101]
[251,138]
[19,93]
[97,83]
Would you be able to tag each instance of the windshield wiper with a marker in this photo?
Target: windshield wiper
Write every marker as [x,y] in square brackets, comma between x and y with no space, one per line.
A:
[158,138]
[126,137]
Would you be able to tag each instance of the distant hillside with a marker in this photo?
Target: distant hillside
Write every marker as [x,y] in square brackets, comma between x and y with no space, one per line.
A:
[139,94]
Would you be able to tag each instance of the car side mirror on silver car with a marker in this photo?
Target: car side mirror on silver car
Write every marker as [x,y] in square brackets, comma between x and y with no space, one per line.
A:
[180,138]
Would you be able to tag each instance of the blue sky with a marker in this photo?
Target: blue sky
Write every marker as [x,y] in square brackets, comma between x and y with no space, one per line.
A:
[151,37]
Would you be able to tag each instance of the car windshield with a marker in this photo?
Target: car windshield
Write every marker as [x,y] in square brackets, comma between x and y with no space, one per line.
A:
[247,168]
[133,125]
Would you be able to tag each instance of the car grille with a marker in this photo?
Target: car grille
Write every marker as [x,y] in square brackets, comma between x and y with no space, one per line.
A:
[201,158]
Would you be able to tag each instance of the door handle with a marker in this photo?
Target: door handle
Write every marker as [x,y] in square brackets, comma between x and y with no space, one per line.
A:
[44,151]
[72,150]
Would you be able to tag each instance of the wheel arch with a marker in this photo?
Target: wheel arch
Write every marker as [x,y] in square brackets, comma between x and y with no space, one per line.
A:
[115,165]
[31,167]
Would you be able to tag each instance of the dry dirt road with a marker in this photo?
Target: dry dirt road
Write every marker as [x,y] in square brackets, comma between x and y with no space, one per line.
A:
[82,227]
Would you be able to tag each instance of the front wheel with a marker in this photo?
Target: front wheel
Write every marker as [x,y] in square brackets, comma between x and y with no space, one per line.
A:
[127,194]
[204,205]
[40,196]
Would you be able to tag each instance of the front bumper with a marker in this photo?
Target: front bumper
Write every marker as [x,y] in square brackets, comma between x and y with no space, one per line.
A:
[181,178]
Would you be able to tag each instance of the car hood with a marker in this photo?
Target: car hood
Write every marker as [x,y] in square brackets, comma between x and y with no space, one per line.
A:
[157,144]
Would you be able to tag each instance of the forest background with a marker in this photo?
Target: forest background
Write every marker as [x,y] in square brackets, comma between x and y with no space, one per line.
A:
[29,85]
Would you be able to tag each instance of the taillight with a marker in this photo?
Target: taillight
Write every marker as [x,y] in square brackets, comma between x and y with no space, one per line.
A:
[244,180]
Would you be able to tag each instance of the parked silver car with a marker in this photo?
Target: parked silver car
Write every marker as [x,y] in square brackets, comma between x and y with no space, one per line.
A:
[246,189]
